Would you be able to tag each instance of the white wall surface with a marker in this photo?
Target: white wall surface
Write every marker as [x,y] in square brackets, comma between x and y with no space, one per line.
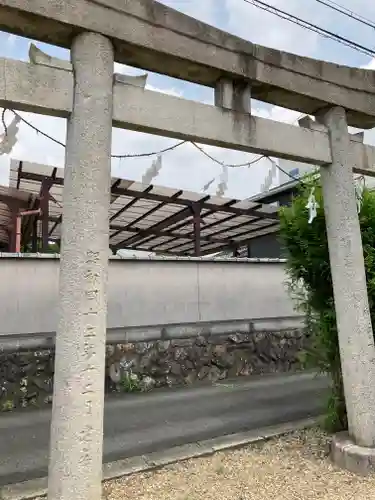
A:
[148,292]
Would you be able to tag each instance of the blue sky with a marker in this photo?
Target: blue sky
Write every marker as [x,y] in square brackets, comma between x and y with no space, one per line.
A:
[185,167]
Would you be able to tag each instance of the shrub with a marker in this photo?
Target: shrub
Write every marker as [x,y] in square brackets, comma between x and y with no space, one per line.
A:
[7,405]
[307,257]
[130,382]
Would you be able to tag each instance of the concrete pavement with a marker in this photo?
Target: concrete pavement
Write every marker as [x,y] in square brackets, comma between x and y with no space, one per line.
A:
[143,423]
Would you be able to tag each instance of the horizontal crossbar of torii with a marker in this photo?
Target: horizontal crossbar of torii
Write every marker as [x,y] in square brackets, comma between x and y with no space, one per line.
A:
[152,36]
[49,90]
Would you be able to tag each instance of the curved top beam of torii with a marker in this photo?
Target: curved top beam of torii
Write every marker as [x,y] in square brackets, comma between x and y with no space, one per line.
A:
[149,35]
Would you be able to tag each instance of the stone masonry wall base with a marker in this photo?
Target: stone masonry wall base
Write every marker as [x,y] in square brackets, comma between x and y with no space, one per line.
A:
[347,455]
[26,378]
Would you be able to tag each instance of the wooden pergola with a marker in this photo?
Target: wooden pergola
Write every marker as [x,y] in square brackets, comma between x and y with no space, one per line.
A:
[151,218]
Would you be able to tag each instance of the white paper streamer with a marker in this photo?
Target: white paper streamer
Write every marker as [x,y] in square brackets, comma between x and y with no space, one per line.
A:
[9,138]
[312,205]
[152,171]
[359,186]
[223,184]
[269,177]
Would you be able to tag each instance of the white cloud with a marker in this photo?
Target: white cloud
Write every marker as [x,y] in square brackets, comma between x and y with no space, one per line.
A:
[202,10]
[172,91]
[251,23]
[278,114]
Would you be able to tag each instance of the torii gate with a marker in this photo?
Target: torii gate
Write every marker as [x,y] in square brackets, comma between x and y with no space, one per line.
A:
[148,35]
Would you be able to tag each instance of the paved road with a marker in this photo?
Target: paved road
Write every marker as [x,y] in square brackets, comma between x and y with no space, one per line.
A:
[137,424]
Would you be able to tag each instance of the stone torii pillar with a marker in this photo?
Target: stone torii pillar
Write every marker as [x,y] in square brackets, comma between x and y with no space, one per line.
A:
[357,350]
[75,468]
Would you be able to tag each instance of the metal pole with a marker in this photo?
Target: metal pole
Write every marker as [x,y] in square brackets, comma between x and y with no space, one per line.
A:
[356,339]
[18,234]
[44,204]
[34,243]
[19,226]
[75,468]
[13,232]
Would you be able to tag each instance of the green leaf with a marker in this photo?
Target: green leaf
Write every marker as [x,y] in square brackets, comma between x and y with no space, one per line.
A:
[306,251]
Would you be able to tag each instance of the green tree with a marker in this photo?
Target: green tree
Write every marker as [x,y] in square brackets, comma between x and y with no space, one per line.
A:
[306,249]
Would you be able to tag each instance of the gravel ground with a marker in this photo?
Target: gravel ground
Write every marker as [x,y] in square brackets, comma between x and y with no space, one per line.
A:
[294,467]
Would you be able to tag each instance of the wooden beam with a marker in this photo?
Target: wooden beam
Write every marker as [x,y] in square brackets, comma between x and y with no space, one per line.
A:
[204,202]
[176,217]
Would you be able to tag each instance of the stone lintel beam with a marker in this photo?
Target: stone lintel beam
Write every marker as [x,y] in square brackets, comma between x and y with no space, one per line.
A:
[363,154]
[49,90]
[311,124]
[137,81]
[171,116]
[36,88]
[37,56]
[150,35]
[358,137]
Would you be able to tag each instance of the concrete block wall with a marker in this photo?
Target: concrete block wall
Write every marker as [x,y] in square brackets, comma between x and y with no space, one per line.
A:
[148,292]
[171,321]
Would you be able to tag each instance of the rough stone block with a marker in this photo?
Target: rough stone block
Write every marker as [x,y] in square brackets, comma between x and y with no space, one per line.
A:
[347,455]
[26,378]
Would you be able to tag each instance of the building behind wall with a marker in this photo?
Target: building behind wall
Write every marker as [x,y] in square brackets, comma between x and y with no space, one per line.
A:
[269,245]
[290,170]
